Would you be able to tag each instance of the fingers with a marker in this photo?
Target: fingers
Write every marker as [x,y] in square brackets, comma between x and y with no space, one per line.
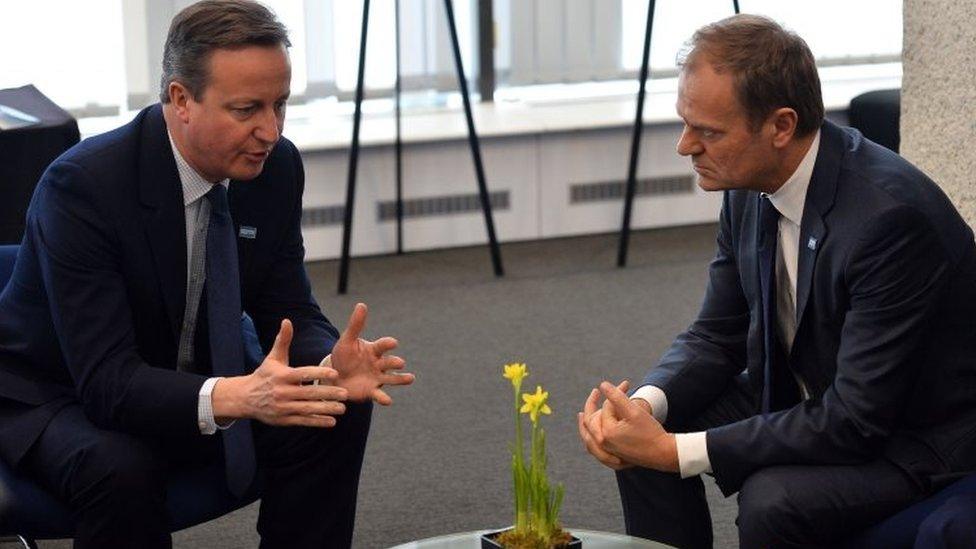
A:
[392,363]
[304,374]
[591,403]
[312,392]
[609,408]
[311,408]
[384,345]
[357,322]
[308,421]
[397,379]
[380,397]
[282,342]
[616,397]
[593,448]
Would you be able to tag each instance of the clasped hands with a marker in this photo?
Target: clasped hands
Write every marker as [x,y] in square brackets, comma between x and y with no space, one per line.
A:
[622,433]
[279,394]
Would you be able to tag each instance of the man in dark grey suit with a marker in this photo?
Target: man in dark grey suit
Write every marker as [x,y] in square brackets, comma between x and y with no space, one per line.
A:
[830,377]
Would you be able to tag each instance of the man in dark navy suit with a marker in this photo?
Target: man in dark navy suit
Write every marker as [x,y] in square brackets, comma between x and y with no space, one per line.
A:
[830,377]
[121,348]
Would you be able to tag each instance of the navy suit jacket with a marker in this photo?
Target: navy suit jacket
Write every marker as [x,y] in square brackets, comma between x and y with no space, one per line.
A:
[886,326]
[95,305]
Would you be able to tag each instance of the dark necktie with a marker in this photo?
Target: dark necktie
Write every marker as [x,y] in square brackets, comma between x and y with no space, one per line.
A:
[224,326]
[767,226]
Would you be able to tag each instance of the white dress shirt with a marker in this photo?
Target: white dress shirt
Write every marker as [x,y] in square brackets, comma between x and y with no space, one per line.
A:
[195,187]
[789,200]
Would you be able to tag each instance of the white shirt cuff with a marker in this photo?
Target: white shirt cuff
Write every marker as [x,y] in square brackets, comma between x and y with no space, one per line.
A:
[692,454]
[656,398]
[205,416]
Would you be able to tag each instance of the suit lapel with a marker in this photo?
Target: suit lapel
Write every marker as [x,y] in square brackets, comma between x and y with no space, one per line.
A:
[163,214]
[819,200]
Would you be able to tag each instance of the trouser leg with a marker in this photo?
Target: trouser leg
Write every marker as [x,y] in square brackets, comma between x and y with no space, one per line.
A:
[665,508]
[311,479]
[113,483]
[819,506]
[951,526]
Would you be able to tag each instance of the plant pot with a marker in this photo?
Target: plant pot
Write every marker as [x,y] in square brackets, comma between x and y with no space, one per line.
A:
[488,541]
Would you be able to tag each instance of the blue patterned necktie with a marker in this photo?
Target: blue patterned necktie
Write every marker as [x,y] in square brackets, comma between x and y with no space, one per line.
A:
[224,323]
[767,224]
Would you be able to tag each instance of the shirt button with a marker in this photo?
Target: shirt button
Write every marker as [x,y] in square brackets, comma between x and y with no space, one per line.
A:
[202,424]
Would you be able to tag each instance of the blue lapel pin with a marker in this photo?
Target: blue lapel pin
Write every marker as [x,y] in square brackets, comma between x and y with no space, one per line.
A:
[249,233]
[812,243]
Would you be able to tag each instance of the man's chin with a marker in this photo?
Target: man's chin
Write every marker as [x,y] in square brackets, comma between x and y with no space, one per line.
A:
[707,184]
[247,172]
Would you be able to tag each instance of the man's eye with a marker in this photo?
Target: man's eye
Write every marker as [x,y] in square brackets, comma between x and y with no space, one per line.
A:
[244,111]
[708,133]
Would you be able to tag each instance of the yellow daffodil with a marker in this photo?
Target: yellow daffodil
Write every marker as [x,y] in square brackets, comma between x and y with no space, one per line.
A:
[515,372]
[534,404]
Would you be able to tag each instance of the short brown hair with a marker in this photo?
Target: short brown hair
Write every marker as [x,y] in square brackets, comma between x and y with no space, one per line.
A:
[771,66]
[201,28]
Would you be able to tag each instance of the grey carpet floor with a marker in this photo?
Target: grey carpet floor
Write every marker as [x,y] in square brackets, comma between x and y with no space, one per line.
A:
[437,460]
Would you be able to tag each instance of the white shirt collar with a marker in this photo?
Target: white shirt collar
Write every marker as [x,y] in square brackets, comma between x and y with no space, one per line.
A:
[791,197]
[194,184]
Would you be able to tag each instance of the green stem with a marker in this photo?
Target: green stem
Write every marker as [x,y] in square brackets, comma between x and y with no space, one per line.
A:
[518,474]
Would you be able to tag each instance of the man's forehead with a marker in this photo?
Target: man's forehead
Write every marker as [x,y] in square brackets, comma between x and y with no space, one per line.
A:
[254,72]
[706,93]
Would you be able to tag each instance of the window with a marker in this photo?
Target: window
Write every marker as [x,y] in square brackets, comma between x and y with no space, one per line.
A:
[571,41]
[834,29]
[99,56]
[71,51]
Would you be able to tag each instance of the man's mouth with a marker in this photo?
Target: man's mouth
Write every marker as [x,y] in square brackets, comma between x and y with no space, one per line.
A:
[258,156]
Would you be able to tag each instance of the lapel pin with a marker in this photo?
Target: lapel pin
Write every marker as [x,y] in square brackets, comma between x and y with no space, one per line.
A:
[812,243]
[249,233]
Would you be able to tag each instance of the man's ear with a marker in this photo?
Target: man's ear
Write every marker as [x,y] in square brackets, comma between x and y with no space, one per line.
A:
[784,121]
[179,98]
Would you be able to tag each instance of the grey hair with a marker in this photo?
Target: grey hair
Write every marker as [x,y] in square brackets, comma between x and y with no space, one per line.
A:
[201,28]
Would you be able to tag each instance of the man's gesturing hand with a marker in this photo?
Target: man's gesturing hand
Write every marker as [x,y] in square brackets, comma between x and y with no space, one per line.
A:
[363,366]
[274,393]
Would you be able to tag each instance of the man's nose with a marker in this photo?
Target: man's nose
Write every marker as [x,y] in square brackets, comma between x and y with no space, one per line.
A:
[268,129]
[688,144]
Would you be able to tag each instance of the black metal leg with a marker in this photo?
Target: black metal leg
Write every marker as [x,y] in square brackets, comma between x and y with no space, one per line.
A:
[398,146]
[735,6]
[353,157]
[496,258]
[635,141]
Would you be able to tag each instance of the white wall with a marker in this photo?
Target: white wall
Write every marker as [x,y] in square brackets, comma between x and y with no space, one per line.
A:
[537,169]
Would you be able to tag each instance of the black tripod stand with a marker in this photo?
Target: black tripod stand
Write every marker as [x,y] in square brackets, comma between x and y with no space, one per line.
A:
[475,145]
[636,139]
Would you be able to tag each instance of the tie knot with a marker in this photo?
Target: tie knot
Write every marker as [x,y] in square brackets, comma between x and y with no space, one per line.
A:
[768,215]
[217,195]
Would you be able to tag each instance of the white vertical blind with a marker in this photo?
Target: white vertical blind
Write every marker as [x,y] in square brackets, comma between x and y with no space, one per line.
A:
[834,29]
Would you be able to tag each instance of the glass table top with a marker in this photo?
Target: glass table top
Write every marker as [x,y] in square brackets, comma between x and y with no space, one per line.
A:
[591,540]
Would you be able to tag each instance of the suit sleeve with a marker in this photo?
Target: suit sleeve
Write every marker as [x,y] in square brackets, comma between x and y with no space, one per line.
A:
[81,267]
[701,361]
[286,291]
[894,275]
